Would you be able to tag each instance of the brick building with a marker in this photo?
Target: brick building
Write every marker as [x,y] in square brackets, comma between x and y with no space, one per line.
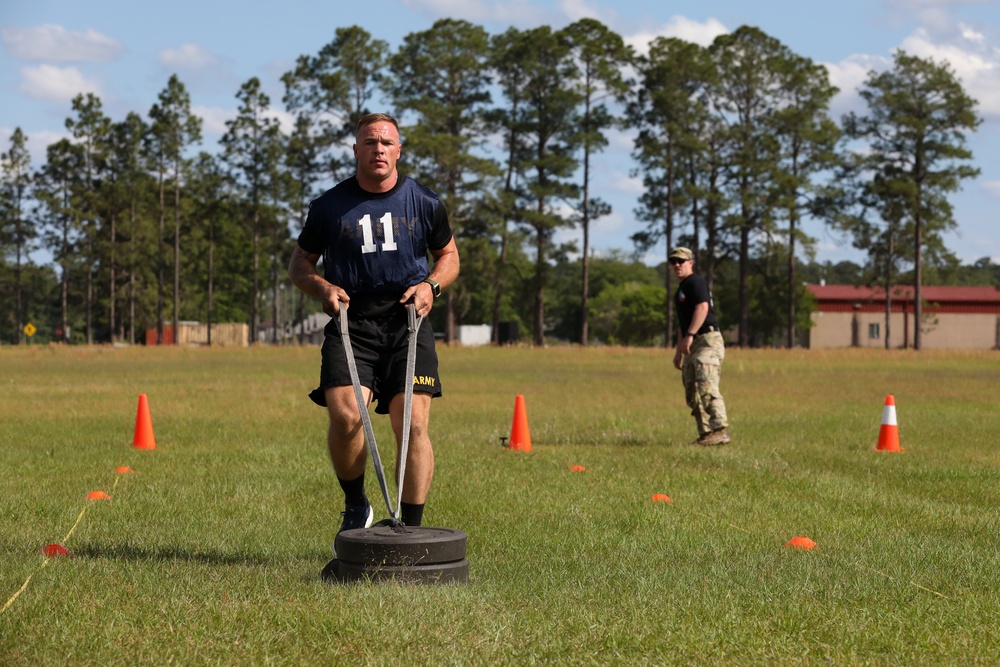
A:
[953,317]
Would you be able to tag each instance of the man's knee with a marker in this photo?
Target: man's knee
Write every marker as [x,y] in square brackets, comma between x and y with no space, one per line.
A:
[420,406]
[342,408]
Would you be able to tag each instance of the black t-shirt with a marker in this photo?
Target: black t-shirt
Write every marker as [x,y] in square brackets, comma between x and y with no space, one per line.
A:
[692,291]
[375,245]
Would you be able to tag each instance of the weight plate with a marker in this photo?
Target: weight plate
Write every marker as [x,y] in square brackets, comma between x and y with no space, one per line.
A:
[331,572]
[419,545]
[439,573]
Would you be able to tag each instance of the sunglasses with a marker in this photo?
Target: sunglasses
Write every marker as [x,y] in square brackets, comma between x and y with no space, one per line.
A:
[677,262]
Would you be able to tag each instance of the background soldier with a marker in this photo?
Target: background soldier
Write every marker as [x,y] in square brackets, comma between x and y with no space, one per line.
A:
[700,350]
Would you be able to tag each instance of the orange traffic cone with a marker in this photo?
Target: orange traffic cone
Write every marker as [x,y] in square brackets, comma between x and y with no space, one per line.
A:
[520,436]
[143,438]
[888,434]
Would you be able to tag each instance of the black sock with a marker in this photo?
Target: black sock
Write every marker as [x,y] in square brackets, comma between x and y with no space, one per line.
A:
[354,490]
[410,514]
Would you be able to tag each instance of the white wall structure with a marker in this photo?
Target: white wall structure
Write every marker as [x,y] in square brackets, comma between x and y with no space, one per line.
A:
[471,335]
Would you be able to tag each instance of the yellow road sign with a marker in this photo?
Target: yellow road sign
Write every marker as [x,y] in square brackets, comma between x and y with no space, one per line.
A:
[29,329]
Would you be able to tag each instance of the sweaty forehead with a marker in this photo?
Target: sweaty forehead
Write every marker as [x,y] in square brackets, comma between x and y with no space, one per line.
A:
[382,131]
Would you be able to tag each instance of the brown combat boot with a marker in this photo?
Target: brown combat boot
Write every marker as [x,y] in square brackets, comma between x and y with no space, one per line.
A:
[717,437]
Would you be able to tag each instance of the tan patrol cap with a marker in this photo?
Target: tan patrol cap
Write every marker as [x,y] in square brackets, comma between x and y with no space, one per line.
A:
[681,253]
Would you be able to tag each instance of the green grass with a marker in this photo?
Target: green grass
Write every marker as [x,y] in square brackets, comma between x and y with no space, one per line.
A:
[211,552]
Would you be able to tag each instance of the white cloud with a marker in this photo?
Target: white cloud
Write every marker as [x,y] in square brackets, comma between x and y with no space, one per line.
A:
[966,57]
[971,35]
[55,44]
[682,28]
[613,222]
[38,142]
[631,185]
[512,12]
[285,120]
[848,75]
[992,188]
[621,140]
[188,57]
[580,9]
[970,55]
[213,119]
[56,84]
[968,51]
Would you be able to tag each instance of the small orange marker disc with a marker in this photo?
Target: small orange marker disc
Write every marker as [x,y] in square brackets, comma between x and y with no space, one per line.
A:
[53,550]
[800,543]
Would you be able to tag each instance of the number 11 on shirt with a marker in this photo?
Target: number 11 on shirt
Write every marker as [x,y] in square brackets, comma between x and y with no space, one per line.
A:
[369,238]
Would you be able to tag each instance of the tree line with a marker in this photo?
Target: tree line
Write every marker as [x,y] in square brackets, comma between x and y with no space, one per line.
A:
[734,145]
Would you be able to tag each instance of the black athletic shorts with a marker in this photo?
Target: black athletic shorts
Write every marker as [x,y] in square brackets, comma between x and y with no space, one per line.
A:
[380,345]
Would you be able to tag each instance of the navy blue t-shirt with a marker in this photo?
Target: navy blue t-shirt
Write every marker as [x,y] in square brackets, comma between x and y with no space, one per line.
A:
[375,245]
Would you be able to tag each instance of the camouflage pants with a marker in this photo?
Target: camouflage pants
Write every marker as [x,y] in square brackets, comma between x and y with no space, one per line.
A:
[701,371]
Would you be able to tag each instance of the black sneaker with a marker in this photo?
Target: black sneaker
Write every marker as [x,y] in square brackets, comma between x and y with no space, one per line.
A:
[355,516]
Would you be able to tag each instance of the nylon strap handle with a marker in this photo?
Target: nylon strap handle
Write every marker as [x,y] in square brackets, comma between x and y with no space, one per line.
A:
[366,419]
[413,325]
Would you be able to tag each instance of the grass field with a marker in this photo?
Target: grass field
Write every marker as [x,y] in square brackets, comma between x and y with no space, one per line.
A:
[211,551]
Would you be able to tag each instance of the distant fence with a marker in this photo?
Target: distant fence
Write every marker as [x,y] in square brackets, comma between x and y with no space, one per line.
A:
[196,333]
[311,331]
[308,332]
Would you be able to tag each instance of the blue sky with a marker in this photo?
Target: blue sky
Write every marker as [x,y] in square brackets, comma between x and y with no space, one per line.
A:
[125,51]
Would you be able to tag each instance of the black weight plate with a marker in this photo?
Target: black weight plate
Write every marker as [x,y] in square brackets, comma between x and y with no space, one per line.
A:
[332,571]
[419,545]
[439,573]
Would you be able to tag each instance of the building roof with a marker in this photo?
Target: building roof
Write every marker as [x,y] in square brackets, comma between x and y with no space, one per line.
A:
[965,299]
[940,294]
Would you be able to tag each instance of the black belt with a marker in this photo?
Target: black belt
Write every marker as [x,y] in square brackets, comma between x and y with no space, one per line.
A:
[704,330]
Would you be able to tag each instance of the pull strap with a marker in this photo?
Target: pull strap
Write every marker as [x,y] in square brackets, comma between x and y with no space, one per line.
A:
[366,419]
[413,326]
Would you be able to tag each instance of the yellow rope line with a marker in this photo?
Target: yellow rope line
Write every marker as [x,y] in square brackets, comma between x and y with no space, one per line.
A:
[912,583]
[48,558]
[712,518]
[44,563]
[19,591]
[82,512]
[865,567]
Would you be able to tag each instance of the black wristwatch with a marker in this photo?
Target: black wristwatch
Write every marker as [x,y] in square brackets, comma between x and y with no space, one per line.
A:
[435,286]
[691,334]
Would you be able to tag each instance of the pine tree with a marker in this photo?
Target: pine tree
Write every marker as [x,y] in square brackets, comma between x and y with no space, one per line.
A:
[174,129]
[17,233]
[441,77]
[600,56]
[915,127]
[252,148]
